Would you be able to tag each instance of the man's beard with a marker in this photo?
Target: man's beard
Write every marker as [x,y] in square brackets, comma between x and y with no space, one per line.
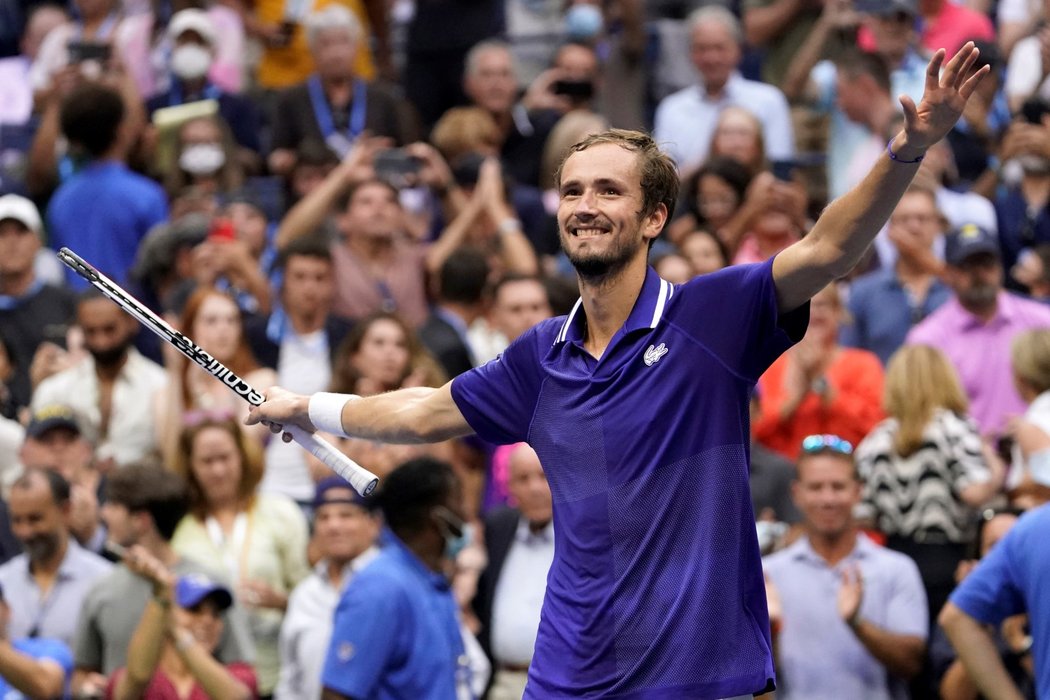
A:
[980,296]
[594,267]
[41,547]
[109,358]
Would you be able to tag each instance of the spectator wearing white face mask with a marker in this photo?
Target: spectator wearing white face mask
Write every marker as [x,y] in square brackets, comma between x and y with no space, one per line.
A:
[206,158]
[191,63]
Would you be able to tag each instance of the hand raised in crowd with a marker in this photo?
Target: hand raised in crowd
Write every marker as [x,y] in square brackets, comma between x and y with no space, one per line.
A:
[433,170]
[943,100]
[850,595]
[358,165]
[541,95]
[258,594]
[141,562]
[1022,138]
[840,14]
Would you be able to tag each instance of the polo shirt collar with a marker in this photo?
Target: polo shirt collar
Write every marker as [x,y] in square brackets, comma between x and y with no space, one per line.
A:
[398,549]
[1005,312]
[525,535]
[803,550]
[648,310]
[70,566]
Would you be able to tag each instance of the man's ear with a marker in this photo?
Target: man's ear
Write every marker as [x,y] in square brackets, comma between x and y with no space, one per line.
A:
[655,221]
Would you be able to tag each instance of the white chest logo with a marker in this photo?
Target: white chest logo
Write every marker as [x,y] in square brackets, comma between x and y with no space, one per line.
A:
[654,353]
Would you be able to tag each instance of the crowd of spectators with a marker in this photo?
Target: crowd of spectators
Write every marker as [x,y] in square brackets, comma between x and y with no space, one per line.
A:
[358,196]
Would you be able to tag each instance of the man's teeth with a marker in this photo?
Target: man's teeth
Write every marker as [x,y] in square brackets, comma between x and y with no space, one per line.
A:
[589,231]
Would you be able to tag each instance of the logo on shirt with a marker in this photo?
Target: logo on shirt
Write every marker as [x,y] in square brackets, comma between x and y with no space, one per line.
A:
[345,651]
[654,353]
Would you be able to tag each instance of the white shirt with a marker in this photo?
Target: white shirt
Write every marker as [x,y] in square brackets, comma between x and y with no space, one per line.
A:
[303,366]
[307,629]
[519,595]
[1024,73]
[685,121]
[130,435]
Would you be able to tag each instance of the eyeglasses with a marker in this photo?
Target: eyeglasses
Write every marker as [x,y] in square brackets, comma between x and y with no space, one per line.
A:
[819,443]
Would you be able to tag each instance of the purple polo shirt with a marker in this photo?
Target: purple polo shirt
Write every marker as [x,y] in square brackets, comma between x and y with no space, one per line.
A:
[980,353]
[656,588]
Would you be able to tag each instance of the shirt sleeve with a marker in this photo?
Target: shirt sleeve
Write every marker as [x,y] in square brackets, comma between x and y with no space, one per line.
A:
[991,593]
[733,314]
[498,398]
[87,642]
[365,637]
[907,610]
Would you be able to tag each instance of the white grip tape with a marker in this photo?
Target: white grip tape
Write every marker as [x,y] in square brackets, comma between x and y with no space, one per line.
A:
[326,411]
[360,478]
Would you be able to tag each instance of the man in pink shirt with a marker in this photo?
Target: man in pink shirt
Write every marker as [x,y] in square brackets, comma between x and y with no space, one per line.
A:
[975,327]
[948,25]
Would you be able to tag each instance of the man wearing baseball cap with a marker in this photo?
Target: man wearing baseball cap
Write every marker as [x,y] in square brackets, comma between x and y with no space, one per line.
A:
[345,533]
[34,315]
[975,327]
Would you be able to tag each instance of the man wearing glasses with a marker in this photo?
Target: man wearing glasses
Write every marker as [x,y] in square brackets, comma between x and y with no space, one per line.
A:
[867,602]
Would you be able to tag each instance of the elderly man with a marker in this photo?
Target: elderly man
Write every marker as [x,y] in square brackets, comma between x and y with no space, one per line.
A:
[345,532]
[335,105]
[686,120]
[45,586]
[867,602]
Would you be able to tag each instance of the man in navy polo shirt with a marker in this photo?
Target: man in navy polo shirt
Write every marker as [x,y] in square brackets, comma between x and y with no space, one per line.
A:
[637,404]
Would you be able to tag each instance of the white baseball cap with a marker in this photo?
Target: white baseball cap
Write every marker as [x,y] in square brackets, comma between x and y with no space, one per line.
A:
[22,210]
[192,20]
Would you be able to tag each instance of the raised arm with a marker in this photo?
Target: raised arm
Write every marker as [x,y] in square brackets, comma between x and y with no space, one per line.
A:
[406,416]
[847,227]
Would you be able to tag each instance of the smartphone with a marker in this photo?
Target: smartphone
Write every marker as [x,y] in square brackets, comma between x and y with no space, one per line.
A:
[80,51]
[784,170]
[1034,109]
[221,230]
[395,162]
[581,89]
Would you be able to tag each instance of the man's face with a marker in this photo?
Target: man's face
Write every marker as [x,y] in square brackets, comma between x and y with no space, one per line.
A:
[309,286]
[18,247]
[528,485]
[577,62]
[333,53]
[62,449]
[852,97]
[976,280]
[108,331]
[715,53]
[119,523]
[373,212]
[892,34]
[344,530]
[37,521]
[492,84]
[825,493]
[917,215]
[519,305]
[599,211]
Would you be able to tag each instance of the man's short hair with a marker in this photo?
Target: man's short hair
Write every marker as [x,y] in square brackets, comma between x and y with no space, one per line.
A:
[512,277]
[331,17]
[855,63]
[56,483]
[152,489]
[463,276]
[313,245]
[409,493]
[825,451]
[659,176]
[90,117]
[344,202]
[719,15]
[470,63]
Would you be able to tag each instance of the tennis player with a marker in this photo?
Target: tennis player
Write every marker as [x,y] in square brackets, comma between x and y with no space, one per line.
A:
[637,404]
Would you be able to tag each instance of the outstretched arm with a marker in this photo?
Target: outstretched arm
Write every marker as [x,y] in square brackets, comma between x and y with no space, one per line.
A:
[848,226]
[978,654]
[405,416]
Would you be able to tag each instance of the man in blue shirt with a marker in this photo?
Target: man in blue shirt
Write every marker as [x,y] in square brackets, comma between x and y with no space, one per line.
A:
[396,631]
[1010,580]
[637,405]
[104,210]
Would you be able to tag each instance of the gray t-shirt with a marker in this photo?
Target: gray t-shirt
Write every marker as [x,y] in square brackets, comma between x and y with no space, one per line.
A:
[112,610]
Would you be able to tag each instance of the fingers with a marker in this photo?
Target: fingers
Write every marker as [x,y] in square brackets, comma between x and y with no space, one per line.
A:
[954,66]
[911,113]
[973,81]
[933,71]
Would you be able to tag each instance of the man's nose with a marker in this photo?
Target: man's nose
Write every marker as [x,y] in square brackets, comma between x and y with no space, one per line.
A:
[585,205]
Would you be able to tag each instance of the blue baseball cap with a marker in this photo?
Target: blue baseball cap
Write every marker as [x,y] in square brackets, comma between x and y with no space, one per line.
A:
[191,589]
[968,240]
[336,489]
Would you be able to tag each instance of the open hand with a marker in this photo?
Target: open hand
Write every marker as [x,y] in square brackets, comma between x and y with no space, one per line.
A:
[943,99]
[851,594]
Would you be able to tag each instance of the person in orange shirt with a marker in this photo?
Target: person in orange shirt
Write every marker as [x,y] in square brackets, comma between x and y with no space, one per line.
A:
[286,58]
[819,386]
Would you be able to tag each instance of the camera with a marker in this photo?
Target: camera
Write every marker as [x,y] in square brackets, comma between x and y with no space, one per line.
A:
[80,51]
[578,89]
[396,164]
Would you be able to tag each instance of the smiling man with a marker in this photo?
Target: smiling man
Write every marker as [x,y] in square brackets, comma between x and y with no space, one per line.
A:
[637,405]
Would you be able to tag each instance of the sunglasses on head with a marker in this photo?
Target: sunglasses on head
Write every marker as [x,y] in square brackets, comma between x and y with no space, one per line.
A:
[820,443]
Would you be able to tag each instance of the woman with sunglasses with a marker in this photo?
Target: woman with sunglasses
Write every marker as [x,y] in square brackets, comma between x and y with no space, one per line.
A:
[926,469]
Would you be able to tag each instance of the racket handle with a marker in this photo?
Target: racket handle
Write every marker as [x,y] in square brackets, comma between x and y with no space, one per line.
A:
[363,481]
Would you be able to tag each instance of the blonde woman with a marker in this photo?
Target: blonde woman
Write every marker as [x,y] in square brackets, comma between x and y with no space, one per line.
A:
[257,539]
[1029,481]
[925,468]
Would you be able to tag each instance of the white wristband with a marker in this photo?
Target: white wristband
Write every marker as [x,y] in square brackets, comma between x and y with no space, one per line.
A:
[326,411]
